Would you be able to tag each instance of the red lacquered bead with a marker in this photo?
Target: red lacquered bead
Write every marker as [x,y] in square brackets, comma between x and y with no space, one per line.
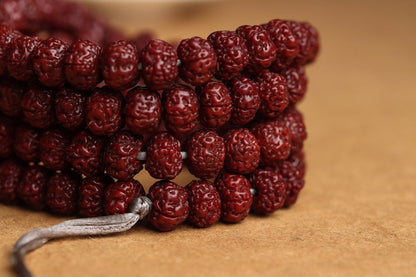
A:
[159,64]
[103,110]
[82,64]
[84,153]
[6,137]
[270,191]
[11,93]
[53,147]
[119,65]
[120,155]
[293,120]
[274,140]
[206,154]
[198,60]
[273,92]
[216,104]
[308,39]
[62,193]
[26,143]
[181,109]
[48,62]
[170,205]
[7,36]
[232,53]
[297,82]
[204,203]
[242,151]
[10,174]
[37,107]
[19,62]
[91,195]
[70,108]
[32,187]
[119,195]
[261,49]
[246,100]
[236,198]
[143,111]
[164,160]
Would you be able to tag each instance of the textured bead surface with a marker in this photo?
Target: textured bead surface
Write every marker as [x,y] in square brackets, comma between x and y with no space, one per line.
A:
[270,191]
[84,153]
[293,120]
[273,92]
[204,203]
[10,174]
[26,143]
[297,83]
[143,110]
[62,193]
[11,93]
[198,60]
[19,62]
[48,62]
[119,65]
[37,107]
[32,187]
[170,205]
[7,36]
[91,195]
[181,109]
[82,64]
[6,137]
[245,100]
[236,198]
[164,160]
[206,153]
[159,64]
[120,155]
[216,105]
[103,111]
[119,195]
[70,108]
[53,147]
[242,151]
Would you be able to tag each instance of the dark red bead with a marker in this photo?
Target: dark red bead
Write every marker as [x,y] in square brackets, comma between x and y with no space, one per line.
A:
[103,110]
[270,191]
[11,93]
[198,60]
[242,151]
[120,65]
[159,64]
[53,147]
[206,153]
[143,110]
[297,82]
[293,120]
[181,109]
[236,198]
[48,62]
[216,105]
[245,100]
[62,193]
[261,49]
[32,187]
[7,36]
[37,107]
[232,53]
[84,153]
[170,205]
[204,203]
[26,143]
[273,93]
[308,39]
[82,66]
[10,175]
[120,155]
[6,137]
[286,43]
[164,159]
[274,140]
[70,108]
[91,195]
[19,62]
[12,14]
[119,195]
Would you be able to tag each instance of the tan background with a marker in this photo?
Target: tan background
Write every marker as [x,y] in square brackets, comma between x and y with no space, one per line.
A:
[357,213]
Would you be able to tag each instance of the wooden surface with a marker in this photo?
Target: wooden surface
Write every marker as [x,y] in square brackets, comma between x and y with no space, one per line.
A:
[357,213]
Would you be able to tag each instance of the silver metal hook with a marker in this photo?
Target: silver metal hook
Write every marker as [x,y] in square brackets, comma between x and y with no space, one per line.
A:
[138,209]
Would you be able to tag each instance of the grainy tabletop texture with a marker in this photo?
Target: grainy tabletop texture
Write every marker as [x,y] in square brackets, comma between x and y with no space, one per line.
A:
[357,213]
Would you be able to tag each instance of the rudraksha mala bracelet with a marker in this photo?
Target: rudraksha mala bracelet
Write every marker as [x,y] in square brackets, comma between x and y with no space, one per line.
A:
[80,118]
